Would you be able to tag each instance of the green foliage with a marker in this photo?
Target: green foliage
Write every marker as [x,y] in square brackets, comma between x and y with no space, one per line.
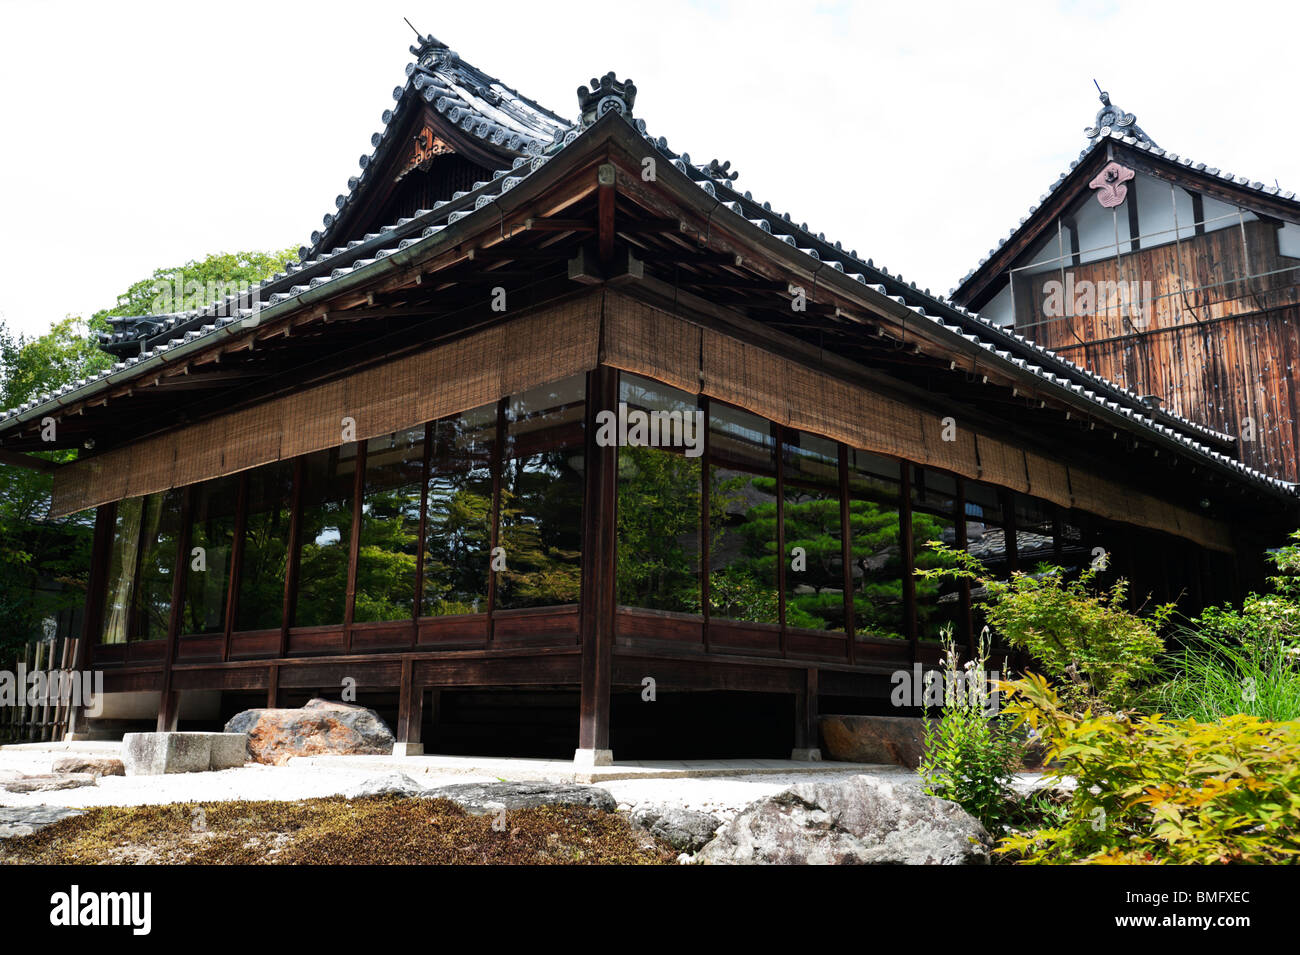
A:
[969,757]
[1212,677]
[43,562]
[198,282]
[1155,790]
[1243,660]
[1084,637]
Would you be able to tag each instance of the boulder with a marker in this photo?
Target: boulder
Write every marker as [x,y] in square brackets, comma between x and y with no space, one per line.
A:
[683,829]
[480,799]
[873,739]
[321,728]
[859,820]
[24,820]
[393,784]
[154,754]
[95,765]
[47,782]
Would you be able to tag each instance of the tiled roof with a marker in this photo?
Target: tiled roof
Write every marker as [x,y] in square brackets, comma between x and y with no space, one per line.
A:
[283,292]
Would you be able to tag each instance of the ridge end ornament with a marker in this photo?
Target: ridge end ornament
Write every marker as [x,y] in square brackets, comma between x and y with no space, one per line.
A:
[607,94]
[1111,117]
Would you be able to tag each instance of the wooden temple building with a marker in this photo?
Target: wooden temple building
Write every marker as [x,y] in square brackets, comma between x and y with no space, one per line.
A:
[392,467]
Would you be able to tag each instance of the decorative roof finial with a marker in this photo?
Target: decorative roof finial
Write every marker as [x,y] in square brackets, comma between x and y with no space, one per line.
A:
[606,94]
[718,170]
[1113,118]
[431,52]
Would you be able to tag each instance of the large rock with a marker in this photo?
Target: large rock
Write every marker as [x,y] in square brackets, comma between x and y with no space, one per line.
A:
[480,799]
[47,782]
[155,754]
[873,739]
[859,820]
[321,728]
[24,820]
[95,765]
[683,829]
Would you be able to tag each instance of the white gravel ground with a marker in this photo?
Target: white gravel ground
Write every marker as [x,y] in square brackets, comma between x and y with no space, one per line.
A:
[723,796]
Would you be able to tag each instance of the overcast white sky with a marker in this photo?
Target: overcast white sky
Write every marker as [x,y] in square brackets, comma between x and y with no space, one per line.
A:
[137,135]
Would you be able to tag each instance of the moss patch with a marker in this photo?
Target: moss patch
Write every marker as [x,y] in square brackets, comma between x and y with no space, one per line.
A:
[377,830]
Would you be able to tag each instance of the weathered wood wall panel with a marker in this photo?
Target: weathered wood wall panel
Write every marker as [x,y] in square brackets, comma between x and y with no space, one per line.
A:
[1219,348]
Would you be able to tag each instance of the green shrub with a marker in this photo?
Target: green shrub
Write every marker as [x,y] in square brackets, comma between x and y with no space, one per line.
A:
[1085,639]
[1155,790]
[968,756]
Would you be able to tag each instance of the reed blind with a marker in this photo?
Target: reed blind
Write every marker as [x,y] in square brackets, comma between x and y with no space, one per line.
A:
[648,341]
[480,368]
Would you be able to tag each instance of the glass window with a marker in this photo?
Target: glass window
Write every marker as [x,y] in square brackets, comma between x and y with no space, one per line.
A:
[814,555]
[742,517]
[458,517]
[122,561]
[159,536]
[540,517]
[325,536]
[265,547]
[877,568]
[212,534]
[659,503]
[390,527]
[934,519]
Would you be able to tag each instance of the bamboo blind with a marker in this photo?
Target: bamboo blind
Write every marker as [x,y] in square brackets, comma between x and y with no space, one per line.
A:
[464,374]
[648,341]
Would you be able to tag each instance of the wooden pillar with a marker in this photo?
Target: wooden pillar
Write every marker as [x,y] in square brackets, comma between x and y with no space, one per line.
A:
[907,549]
[273,686]
[964,620]
[599,540]
[782,558]
[169,704]
[291,558]
[354,541]
[805,719]
[92,620]
[410,712]
[846,556]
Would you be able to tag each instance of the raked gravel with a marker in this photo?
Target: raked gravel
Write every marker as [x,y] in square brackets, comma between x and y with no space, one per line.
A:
[724,796]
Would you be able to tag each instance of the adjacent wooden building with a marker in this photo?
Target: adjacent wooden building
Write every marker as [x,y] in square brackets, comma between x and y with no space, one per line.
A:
[1177,280]
[551,418]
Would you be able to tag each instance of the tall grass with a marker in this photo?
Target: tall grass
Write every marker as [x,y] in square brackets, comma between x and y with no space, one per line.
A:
[1211,678]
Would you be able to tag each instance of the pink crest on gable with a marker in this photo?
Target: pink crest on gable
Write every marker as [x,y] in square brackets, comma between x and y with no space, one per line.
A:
[1110,183]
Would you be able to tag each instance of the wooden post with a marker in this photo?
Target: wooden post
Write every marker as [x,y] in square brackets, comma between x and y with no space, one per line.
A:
[907,550]
[846,555]
[291,558]
[805,719]
[964,620]
[236,560]
[778,436]
[273,685]
[354,541]
[599,540]
[410,712]
[706,531]
[92,621]
[169,704]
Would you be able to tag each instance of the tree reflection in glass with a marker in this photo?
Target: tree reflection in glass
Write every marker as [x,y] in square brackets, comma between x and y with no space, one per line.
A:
[459,516]
[814,556]
[742,517]
[658,509]
[390,527]
[540,517]
[877,556]
[325,536]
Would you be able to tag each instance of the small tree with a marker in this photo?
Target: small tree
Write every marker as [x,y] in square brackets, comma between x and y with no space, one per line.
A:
[1085,638]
